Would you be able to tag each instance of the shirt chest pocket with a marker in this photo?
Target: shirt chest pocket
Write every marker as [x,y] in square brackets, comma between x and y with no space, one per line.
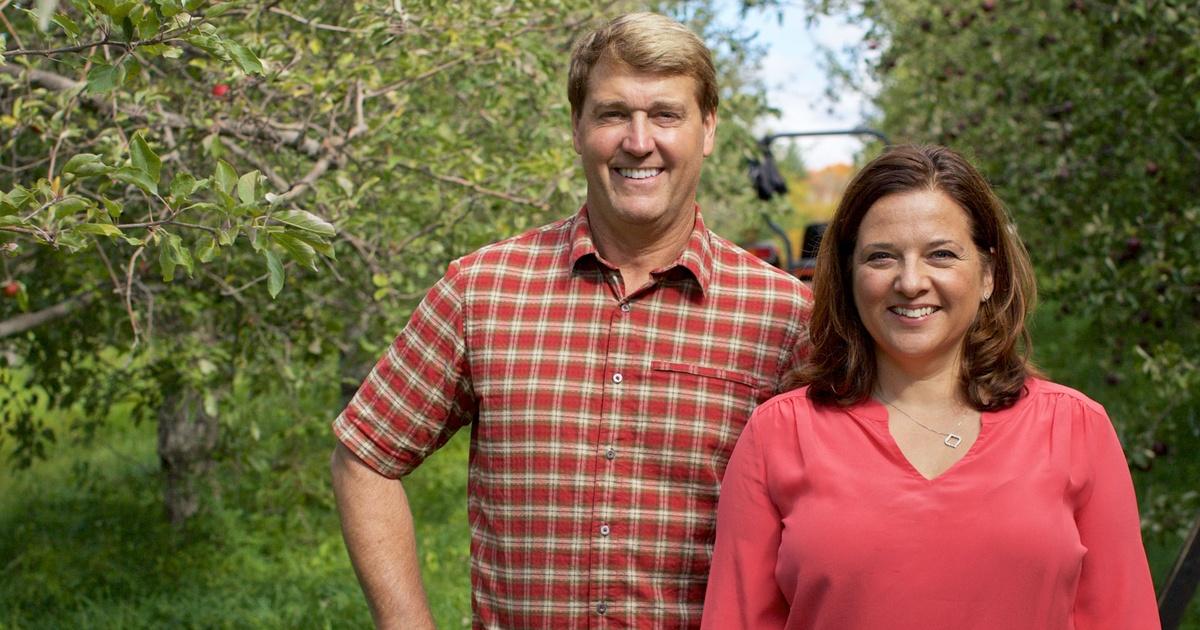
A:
[696,411]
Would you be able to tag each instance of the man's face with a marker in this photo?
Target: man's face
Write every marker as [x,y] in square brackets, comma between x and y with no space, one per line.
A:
[642,140]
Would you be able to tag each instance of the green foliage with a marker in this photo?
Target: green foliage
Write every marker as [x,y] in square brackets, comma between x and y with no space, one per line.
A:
[1083,115]
[253,189]
[85,546]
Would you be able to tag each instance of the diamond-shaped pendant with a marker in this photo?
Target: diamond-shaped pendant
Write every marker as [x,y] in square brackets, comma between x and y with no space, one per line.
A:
[952,440]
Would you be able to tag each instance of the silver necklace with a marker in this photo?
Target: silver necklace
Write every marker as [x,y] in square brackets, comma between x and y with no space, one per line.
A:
[952,439]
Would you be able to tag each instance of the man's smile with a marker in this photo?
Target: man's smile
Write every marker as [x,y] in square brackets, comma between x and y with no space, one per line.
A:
[638,173]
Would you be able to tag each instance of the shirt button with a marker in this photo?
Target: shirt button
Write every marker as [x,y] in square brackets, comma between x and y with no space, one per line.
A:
[617,378]
[626,307]
[604,530]
[610,454]
[602,608]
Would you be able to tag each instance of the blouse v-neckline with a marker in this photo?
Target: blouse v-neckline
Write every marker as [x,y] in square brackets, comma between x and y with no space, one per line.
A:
[877,413]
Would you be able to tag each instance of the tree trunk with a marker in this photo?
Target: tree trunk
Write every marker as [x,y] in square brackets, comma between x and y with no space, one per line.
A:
[187,437]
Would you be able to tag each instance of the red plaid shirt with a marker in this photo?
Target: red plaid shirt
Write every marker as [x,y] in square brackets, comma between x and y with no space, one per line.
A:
[602,422]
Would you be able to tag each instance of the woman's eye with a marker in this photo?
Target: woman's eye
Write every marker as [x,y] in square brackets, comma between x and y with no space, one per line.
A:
[944,254]
[876,256]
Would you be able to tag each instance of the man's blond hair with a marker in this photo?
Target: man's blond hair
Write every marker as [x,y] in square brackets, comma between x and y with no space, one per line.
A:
[646,42]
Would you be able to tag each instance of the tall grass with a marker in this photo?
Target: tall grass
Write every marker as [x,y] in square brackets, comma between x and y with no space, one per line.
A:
[85,542]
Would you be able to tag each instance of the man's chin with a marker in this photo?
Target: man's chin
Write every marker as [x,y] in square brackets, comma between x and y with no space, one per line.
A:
[644,214]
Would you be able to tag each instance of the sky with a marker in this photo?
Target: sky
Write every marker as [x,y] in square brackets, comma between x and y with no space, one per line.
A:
[796,81]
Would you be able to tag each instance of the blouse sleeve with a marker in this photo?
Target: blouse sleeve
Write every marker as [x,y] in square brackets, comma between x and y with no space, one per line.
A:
[742,591]
[1115,589]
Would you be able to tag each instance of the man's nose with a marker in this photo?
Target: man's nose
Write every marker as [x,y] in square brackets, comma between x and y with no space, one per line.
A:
[639,137]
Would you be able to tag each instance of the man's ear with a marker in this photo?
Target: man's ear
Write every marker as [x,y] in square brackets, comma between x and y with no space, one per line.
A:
[575,140]
[710,132]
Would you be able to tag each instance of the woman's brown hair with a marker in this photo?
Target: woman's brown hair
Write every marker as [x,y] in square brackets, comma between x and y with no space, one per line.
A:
[841,365]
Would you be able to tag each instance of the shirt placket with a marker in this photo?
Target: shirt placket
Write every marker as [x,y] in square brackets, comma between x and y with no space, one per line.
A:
[605,533]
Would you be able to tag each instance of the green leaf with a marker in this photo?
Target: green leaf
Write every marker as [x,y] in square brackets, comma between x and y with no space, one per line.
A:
[113,208]
[208,44]
[127,28]
[144,158]
[275,273]
[227,236]
[103,78]
[182,186]
[166,262]
[206,252]
[246,187]
[19,196]
[178,253]
[322,246]
[226,177]
[120,10]
[300,251]
[217,10]
[102,229]
[305,220]
[169,8]
[68,25]
[69,206]
[246,60]
[227,201]
[131,175]
[148,26]
[137,177]
[86,165]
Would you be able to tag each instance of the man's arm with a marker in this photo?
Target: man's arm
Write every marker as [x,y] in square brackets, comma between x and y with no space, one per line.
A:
[377,526]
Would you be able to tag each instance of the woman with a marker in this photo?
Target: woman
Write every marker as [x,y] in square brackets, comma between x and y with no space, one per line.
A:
[925,476]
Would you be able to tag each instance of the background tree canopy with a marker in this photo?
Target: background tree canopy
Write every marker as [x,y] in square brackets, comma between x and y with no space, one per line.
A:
[1084,116]
[168,166]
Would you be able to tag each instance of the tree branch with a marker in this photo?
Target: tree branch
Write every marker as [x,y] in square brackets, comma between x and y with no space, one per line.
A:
[458,181]
[29,321]
[49,52]
[313,23]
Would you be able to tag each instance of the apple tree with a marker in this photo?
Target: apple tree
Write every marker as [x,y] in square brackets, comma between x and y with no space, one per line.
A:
[199,195]
[1083,113]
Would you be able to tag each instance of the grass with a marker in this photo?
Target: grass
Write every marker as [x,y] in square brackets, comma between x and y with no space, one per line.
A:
[86,544]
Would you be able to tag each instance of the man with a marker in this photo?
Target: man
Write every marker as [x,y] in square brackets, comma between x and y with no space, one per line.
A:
[605,364]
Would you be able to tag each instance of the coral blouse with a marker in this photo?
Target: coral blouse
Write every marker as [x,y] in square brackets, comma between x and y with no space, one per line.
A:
[824,525]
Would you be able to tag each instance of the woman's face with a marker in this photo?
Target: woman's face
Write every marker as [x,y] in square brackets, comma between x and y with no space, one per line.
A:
[918,279]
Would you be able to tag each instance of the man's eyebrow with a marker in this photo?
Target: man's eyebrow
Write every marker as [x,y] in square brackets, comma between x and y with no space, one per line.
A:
[655,105]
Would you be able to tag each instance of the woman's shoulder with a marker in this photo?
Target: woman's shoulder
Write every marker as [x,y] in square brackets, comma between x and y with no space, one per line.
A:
[793,408]
[784,403]
[1041,392]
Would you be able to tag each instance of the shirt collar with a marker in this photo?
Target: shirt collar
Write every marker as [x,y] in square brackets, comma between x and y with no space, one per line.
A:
[696,257]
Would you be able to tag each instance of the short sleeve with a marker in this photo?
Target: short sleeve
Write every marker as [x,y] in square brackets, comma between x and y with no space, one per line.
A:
[742,590]
[419,393]
[1115,588]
